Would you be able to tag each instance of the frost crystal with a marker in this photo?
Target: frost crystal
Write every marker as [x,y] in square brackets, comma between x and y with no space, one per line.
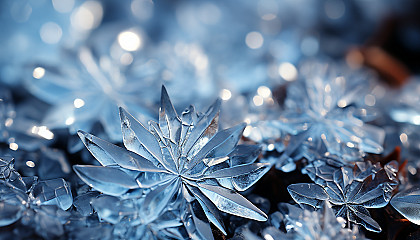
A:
[180,158]
[350,191]
[302,224]
[17,129]
[38,204]
[407,203]
[325,105]
[90,83]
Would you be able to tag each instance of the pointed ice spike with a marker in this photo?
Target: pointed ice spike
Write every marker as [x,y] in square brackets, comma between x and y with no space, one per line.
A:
[139,140]
[206,127]
[308,194]
[236,170]
[200,221]
[243,182]
[220,145]
[111,181]
[231,202]
[407,203]
[158,199]
[169,122]
[109,154]
[361,216]
[209,209]
[53,192]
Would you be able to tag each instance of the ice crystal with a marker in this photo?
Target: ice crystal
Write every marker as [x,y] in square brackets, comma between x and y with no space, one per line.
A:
[17,129]
[325,104]
[90,83]
[180,158]
[350,191]
[304,224]
[407,203]
[37,204]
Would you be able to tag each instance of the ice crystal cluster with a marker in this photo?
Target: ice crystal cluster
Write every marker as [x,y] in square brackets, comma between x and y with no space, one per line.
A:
[31,203]
[324,115]
[350,191]
[179,162]
[311,137]
[302,224]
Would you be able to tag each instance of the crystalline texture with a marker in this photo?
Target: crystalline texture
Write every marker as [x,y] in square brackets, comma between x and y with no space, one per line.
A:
[324,104]
[407,203]
[304,224]
[38,204]
[178,158]
[349,191]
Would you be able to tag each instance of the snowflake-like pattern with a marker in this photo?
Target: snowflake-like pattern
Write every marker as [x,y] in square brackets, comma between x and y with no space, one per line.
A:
[350,191]
[326,104]
[302,224]
[180,158]
[38,204]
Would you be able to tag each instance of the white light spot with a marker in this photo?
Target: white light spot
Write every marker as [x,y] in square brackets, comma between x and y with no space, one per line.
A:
[268,237]
[403,138]
[78,103]
[254,40]
[42,131]
[38,72]
[70,121]
[225,94]
[129,41]
[416,120]
[30,164]
[323,136]
[342,103]
[258,100]
[51,33]
[88,16]
[264,92]
[13,146]
[63,6]
[350,145]
[247,131]
[287,71]
[8,122]
[270,147]
[247,120]
[327,88]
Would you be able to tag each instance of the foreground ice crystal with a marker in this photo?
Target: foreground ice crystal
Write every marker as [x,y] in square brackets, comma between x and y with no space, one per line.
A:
[350,191]
[302,224]
[407,203]
[180,158]
[326,105]
[37,204]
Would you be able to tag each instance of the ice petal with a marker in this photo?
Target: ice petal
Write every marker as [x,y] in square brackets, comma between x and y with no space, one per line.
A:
[407,203]
[231,202]
[111,181]
[53,192]
[308,194]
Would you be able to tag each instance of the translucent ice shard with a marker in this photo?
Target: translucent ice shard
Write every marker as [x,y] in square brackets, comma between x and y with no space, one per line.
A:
[38,205]
[321,111]
[407,203]
[304,224]
[350,191]
[178,160]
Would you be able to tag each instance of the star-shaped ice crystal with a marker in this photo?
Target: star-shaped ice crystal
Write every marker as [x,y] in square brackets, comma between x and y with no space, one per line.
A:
[180,158]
